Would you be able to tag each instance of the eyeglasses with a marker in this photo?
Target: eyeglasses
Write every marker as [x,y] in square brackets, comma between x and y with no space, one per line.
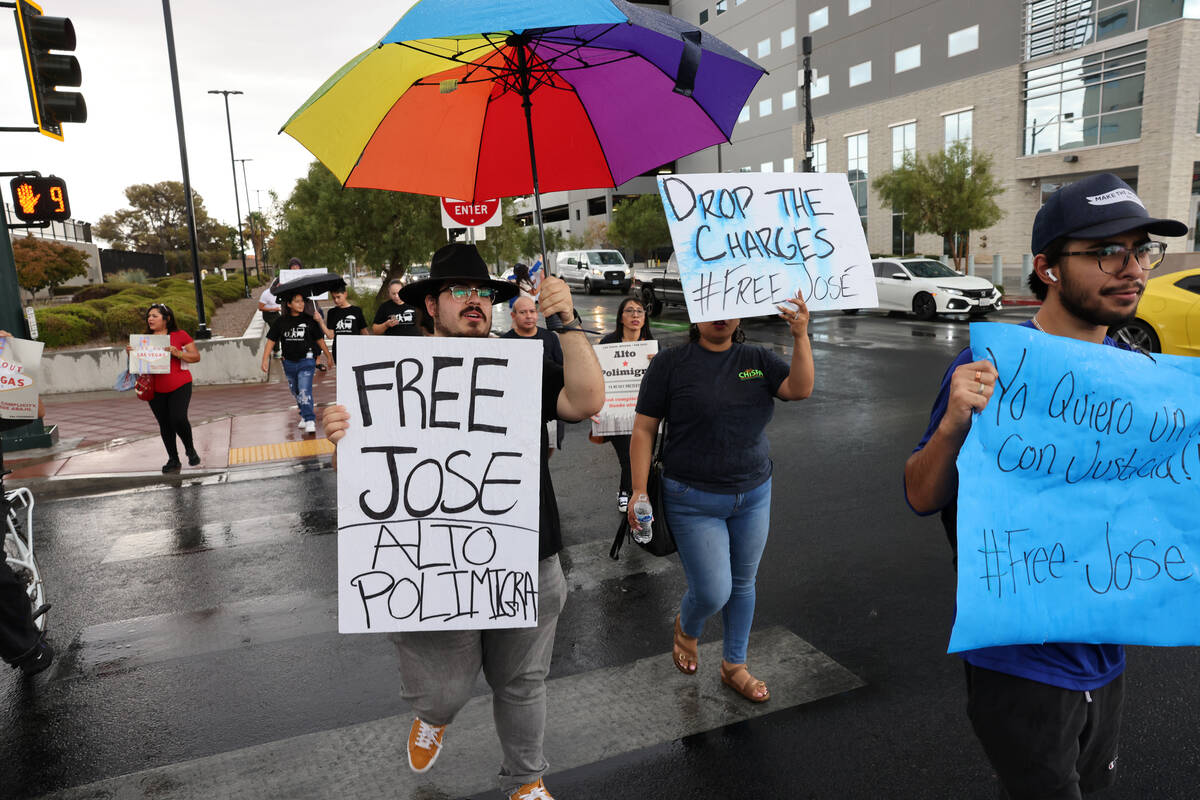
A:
[1113,258]
[637,312]
[464,292]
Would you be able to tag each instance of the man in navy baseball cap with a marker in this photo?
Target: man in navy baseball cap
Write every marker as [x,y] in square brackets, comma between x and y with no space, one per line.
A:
[1049,715]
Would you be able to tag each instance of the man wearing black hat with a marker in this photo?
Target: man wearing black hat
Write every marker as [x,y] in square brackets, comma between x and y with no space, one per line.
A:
[438,669]
[1048,716]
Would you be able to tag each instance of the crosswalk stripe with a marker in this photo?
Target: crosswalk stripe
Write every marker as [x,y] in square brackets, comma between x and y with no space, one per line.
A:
[591,716]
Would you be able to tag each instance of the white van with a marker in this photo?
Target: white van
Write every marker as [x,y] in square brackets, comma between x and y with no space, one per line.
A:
[593,270]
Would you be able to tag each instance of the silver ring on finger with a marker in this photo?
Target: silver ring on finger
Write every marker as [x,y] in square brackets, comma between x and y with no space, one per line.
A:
[981,387]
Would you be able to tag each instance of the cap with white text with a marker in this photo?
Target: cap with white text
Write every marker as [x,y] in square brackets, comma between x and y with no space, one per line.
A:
[1093,208]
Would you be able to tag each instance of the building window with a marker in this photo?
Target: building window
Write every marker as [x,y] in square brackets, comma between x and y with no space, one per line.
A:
[904,143]
[721,7]
[738,2]
[819,164]
[820,85]
[744,115]
[860,73]
[764,107]
[958,128]
[789,100]
[1085,101]
[1052,26]
[789,164]
[745,51]
[818,19]
[856,6]
[745,169]
[856,172]
[908,58]
[704,16]
[766,166]
[963,41]
[787,37]
[764,48]
[903,242]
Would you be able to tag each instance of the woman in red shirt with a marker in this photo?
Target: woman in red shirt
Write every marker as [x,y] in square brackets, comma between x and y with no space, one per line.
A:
[173,390]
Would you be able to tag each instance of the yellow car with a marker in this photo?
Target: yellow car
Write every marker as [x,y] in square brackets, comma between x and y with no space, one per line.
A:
[1168,317]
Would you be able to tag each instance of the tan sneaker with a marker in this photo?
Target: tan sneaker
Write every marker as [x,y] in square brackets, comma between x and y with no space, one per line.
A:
[531,791]
[424,744]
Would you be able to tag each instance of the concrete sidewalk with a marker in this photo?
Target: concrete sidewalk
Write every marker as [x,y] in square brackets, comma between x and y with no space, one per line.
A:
[109,440]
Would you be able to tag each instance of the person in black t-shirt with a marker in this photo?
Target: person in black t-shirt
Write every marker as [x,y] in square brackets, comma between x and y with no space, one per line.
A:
[717,396]
[343,319]
[439,668]
[394,317]
[524,319]
[300,336]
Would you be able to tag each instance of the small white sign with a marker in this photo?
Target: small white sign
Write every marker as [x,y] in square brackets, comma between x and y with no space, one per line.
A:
[623,364]
[149,355]
[438,484]
[745,242]
[20,376]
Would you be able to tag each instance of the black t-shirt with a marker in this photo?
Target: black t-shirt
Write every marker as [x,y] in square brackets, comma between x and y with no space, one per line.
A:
[550,536]
[348,320]
[409,319]
[550,343]
[297,335]
[717,406]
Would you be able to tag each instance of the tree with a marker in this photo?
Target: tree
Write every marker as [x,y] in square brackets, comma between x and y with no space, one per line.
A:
[596,237]
[45,264]
[325,225]
[531,247]
[640,224]
[156,222]
[946,192]
[505,242]
[258,231]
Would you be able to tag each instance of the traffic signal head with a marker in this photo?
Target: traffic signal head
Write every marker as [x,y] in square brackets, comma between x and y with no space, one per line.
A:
[40,199]
[47,71]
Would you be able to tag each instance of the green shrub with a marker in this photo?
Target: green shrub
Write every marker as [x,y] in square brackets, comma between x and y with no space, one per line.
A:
[367,301]
[122,320]
[99,290]
[59,330]
[92,318]
[131,276]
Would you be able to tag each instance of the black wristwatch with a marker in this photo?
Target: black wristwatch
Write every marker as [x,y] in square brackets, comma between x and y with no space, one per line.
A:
[574,325]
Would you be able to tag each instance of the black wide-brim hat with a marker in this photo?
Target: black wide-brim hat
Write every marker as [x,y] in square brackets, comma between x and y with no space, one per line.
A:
[457,261]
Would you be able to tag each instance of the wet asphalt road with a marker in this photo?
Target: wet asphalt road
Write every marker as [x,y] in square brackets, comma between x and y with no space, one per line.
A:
[149,587]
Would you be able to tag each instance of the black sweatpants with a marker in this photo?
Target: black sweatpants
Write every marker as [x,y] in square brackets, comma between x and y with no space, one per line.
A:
[170,410]
[621,445]
[1044,741]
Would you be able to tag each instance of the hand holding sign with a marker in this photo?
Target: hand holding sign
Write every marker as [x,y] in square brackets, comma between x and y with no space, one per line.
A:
[743,240]
[795,314]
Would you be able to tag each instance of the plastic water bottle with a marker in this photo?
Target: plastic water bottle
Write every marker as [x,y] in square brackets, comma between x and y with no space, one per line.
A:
[645,515]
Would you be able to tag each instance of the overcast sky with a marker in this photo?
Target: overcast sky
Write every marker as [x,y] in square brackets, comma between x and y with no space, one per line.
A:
[276,51]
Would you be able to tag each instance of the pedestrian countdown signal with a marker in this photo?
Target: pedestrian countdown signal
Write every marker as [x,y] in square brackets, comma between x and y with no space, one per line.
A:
[40,199]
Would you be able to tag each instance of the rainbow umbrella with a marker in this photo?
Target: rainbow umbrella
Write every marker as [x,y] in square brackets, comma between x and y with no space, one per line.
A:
[478,99]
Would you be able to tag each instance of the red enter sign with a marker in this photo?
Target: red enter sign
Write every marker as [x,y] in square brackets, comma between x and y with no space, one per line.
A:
[470,215]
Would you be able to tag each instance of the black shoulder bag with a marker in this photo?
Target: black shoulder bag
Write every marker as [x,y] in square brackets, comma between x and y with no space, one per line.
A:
[661,543]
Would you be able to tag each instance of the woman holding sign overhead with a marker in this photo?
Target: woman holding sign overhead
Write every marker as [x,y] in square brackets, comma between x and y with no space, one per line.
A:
[173,390]
[717,395]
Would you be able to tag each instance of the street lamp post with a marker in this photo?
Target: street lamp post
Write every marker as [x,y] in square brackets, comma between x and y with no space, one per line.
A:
[237,204]
[250,217]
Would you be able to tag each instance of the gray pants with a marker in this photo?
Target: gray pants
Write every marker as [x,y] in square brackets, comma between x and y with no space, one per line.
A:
[438,671]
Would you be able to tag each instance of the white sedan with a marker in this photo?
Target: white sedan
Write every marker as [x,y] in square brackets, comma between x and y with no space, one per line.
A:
[927,288]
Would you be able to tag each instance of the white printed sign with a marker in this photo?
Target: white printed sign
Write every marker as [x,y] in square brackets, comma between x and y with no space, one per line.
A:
[20,374]
[623,365]
[149,354]
[438,479]
[746,241]
[288,275]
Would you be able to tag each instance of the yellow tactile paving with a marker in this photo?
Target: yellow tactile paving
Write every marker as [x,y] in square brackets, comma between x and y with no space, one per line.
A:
[279,452]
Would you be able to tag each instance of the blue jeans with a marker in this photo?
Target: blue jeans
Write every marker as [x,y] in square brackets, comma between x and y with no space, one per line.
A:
[721,538]
[300,378]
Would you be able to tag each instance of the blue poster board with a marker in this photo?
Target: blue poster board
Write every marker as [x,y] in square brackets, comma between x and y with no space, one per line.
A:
[1079,496]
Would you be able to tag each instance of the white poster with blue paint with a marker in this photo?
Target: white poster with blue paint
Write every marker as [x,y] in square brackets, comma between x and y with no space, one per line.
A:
[746,241]
[1079,491]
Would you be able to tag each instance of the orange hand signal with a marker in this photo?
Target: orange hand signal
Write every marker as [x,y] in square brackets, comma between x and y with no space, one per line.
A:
[27,198]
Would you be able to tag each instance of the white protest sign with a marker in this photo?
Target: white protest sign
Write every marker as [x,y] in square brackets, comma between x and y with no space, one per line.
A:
[624,364]
[746,241]
[288,275]
[438,483]
[149,355]
[20,374]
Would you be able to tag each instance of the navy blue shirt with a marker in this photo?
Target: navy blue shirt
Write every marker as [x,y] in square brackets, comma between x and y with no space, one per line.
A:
[717,406]
[1068,665]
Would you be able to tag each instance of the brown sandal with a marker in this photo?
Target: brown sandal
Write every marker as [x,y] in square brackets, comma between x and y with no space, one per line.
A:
[686,657]
[738,678]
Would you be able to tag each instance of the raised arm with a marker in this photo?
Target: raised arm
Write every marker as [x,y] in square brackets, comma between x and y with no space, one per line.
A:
[583,381]
[800,380]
